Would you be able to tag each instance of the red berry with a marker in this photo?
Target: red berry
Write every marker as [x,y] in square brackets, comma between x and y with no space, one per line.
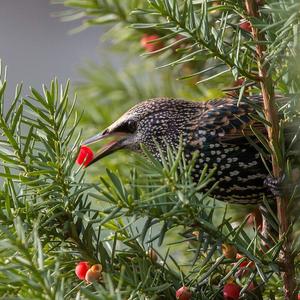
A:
[244,266]
[150,47]
[231,291]
[298,296]
[94,273]
[239,81]
[85,156]
[183,293]
[81,269]
[245,263]
[246,25]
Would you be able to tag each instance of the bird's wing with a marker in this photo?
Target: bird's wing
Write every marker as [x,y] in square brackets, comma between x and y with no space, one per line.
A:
[226,122]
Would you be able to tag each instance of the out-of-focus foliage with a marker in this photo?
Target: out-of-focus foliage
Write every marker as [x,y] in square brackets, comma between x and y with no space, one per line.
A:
[209,30]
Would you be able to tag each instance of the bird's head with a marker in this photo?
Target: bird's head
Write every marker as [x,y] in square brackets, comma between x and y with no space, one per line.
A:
[153,121]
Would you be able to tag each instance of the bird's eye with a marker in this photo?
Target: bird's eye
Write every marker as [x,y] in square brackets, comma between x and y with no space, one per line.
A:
[131,126]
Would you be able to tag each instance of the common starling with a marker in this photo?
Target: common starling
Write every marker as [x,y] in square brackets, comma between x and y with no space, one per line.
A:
[220,130]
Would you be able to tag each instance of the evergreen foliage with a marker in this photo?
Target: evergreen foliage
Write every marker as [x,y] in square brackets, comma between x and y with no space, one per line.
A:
[53,215]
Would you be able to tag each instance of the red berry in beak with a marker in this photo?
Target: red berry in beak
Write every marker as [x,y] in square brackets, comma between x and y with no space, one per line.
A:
[231,291]
[85,156]
[81,269]
[183,293]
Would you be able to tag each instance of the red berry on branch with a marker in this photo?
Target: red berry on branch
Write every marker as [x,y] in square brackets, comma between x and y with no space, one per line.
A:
[239,81]
[94,273]
[246,25]
[85,156]
[231,291]
[81,269]
[183,293]
[245,263]
[244,266]
[148,46]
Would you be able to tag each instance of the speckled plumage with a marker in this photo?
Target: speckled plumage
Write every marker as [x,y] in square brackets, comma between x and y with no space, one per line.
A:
[218,129]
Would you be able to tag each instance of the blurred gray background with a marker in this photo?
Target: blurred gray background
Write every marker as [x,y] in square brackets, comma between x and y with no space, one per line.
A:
[37,46]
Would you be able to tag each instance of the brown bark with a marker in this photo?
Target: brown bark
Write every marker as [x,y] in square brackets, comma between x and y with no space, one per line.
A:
[271,114]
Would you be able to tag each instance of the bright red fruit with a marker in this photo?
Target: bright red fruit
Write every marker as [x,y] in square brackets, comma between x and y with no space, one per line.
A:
[81,269]
[85,156]
[183,293]
[147,45]
[239,81]
[231,291]
[245,263]
[244,266]
[246,25]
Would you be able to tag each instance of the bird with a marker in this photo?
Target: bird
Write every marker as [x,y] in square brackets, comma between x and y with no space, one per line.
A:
[221,131]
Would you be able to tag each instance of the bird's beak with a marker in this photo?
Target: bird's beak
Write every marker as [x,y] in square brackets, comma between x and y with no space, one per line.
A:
[109,147]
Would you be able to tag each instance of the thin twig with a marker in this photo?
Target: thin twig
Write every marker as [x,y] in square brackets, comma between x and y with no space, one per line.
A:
[271,114]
